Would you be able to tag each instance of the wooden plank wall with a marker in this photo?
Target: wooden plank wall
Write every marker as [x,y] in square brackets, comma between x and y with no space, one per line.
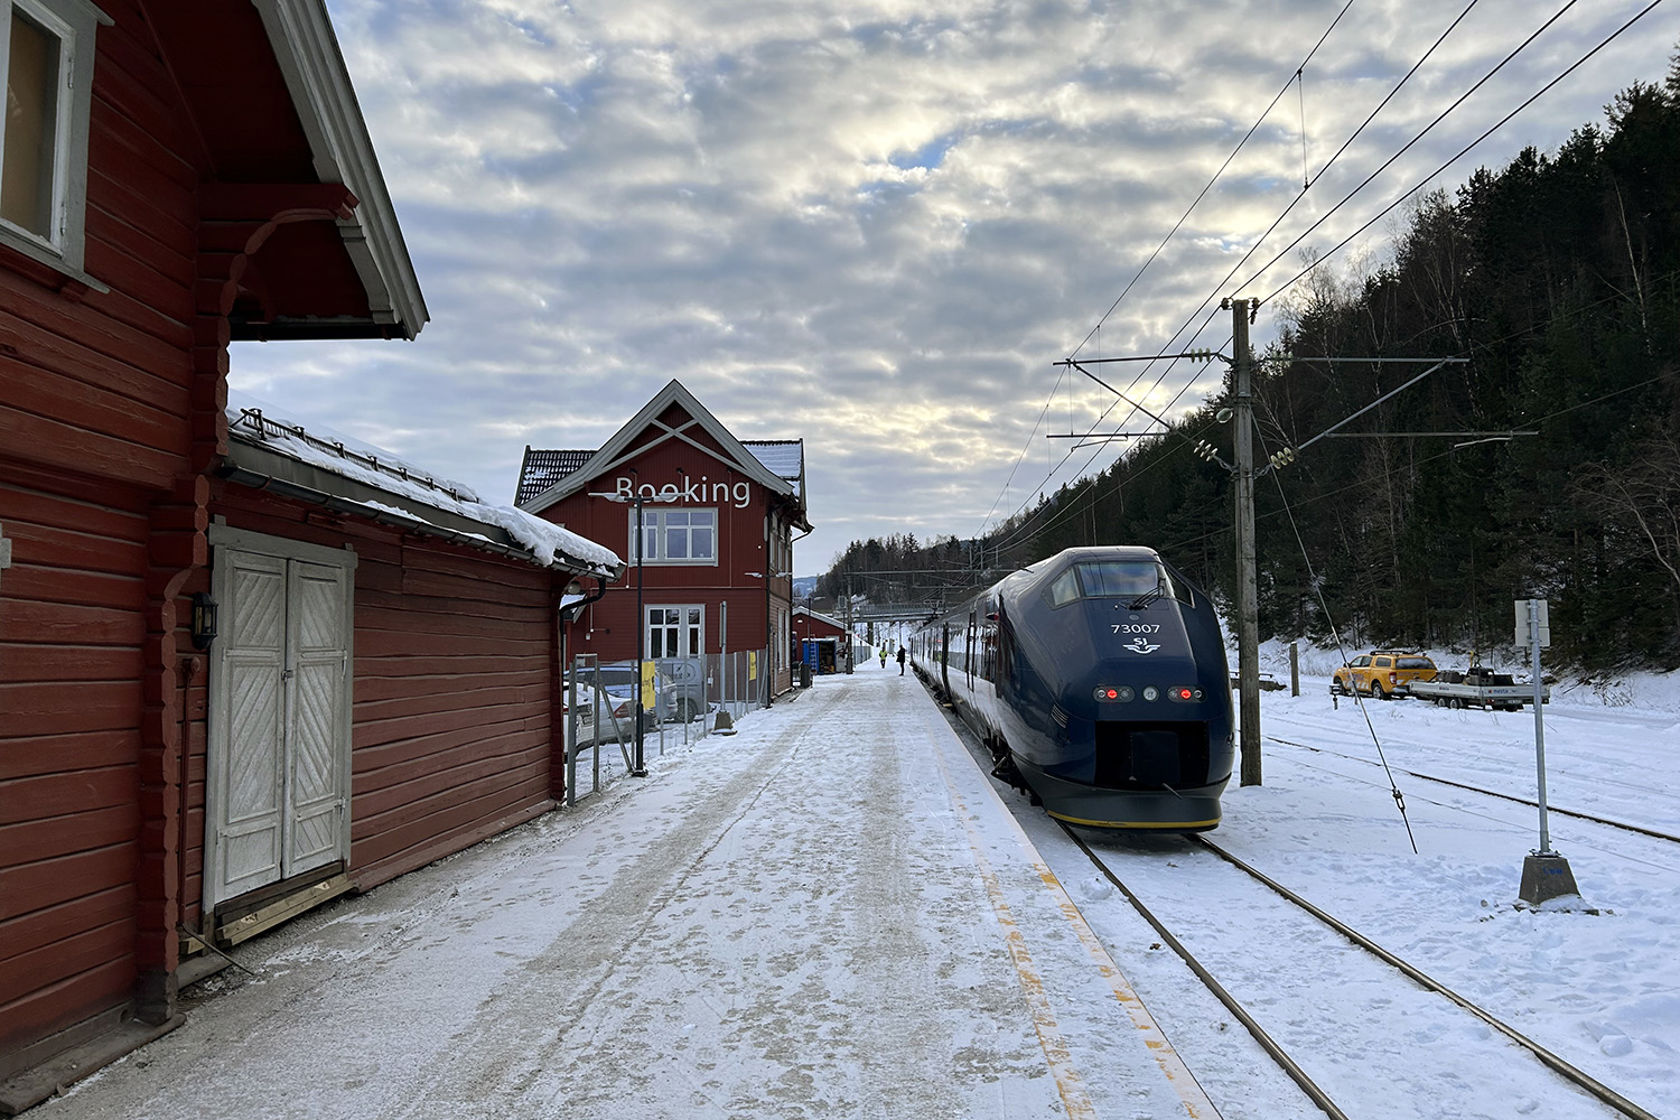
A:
[71,632]
[93,428]
[451,719]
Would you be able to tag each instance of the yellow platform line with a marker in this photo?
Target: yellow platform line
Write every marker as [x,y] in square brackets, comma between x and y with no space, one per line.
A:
[1050,1040]
[1195,1101]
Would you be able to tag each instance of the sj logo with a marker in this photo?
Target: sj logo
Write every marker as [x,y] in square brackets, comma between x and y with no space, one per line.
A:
[1141,645]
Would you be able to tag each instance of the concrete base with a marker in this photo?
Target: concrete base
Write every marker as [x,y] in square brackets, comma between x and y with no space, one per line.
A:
[1545,876]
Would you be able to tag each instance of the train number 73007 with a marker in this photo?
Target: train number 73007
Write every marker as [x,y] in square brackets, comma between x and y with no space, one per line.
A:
[1136,628]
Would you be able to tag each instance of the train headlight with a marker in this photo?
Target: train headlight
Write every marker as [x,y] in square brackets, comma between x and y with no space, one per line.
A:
[1114,694]
[1151,693]
[1183,694]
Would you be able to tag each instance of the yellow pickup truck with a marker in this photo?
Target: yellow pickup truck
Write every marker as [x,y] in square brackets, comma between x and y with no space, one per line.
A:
[1382,674]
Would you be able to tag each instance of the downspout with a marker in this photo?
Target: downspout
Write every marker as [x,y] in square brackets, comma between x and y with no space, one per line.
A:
[565,615]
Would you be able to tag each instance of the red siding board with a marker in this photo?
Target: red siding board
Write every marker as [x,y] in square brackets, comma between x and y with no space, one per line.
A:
[54,795]
[376,670]
[69,624]
[92,346]
[31,757]
[44,883]
[522,765]
[67,958]
[67,663]
[31,931]
[93,407]
[387,838]
[56,1006]
[386,678]
[80,451]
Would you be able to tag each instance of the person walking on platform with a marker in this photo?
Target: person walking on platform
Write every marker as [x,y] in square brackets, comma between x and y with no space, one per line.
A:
[901,661]
[883,657]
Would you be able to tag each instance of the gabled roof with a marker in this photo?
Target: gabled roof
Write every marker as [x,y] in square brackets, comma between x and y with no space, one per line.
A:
[363,480]
[541,469]
[622,448]
[819,616]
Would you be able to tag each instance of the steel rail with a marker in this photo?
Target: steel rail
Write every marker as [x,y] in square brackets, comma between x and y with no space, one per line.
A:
[1655,834]
[1580,1079]
[1267,1043]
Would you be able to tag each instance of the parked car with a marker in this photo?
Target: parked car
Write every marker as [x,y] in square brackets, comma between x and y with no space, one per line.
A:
[1382,674]
[679,691]
[598,711]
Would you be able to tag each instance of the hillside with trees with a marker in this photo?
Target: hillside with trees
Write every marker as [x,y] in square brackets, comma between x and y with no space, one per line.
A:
[1558,277]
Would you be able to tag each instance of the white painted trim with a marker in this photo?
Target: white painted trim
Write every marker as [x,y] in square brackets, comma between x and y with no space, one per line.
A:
[246,540]
[306,48]
[617,450]
[75,23]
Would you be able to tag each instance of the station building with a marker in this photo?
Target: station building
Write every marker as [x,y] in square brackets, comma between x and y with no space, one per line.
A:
[718,516]
[823,642]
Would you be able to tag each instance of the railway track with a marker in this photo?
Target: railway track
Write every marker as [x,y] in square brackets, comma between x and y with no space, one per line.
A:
[1420,986]
[1626,826]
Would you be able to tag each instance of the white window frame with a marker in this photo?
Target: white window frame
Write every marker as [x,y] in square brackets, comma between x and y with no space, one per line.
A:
[74,23]
[684,630]
[653,530]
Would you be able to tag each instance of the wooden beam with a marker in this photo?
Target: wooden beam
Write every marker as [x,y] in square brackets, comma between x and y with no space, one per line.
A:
[235,930]
[266,202]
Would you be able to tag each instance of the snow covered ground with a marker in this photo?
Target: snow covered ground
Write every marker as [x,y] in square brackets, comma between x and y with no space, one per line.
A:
[836,913]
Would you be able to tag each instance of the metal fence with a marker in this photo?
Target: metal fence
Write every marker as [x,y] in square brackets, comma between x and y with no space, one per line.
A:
[687,699]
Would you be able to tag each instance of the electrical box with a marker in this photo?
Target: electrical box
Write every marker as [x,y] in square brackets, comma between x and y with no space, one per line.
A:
[1542,616]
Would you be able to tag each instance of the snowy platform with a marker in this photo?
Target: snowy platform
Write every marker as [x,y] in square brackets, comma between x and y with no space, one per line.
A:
[829,914]
[836,913]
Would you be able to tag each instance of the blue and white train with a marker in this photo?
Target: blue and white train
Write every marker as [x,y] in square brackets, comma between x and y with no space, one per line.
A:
[1098,680]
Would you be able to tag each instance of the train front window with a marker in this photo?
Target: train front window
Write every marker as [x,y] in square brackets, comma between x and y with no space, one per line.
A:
[1138,580]
[1110,579]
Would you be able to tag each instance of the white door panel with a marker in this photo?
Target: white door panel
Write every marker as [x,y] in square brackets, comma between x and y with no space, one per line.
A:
[279,764]
[252,784]
[320,650]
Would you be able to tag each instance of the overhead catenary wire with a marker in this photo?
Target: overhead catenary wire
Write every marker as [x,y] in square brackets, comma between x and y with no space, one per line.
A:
[1427,54]
[1405,78]
[1462,152]
[1255,127]
[1095,330]
[1340,151]
[1061,515]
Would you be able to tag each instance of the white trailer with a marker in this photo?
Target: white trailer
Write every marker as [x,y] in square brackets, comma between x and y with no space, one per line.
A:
[1477,687]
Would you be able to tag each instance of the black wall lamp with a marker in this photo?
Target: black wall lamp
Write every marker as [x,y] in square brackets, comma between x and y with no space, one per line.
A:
[203,620]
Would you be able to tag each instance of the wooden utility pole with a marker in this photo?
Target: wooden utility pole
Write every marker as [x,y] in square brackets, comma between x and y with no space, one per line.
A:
[1248,617]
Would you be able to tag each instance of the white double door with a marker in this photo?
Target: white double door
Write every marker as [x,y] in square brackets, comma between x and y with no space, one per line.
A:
[279,763]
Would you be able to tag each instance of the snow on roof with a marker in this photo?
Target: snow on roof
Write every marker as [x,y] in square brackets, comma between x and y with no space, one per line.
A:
[819,616]
[377,468]
[784,458]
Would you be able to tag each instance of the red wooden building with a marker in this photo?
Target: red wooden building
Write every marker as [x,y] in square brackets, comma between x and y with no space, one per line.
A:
[718,517]
[178,175]
[823,643]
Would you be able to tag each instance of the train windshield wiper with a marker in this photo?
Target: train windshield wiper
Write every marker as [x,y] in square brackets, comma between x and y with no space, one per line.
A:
[1148,597]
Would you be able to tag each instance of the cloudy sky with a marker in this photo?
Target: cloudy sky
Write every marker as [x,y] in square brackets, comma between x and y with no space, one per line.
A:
[877,224]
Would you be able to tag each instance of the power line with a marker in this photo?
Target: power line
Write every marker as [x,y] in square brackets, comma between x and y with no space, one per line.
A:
[1255,127]
[1339,152]
[1542,91]
[1294,77]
